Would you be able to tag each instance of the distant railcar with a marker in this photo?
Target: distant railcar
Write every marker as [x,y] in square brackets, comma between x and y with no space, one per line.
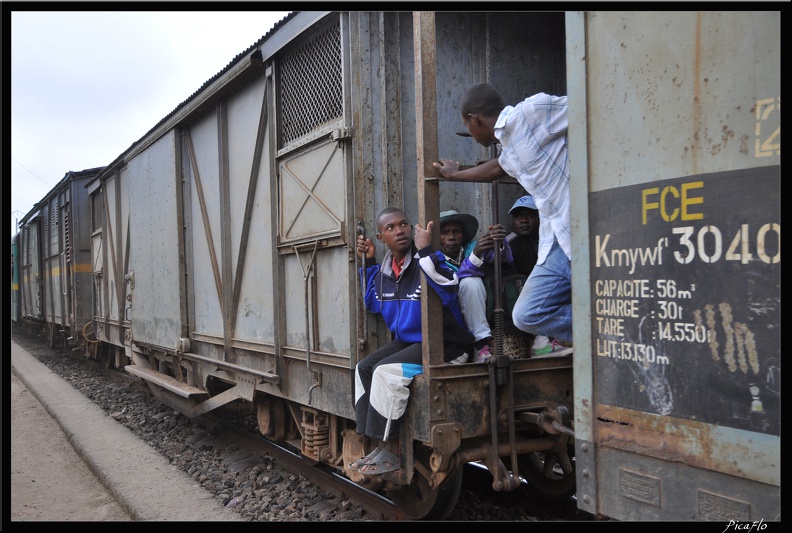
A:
[53,272]
[15,313]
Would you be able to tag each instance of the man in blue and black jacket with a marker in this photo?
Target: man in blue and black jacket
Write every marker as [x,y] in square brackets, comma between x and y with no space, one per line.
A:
[393,289]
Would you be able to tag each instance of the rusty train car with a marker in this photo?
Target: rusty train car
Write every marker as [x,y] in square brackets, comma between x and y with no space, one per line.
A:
[224,272]
[51,272]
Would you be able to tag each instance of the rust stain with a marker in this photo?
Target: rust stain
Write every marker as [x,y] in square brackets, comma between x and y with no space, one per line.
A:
[696,94]
[671,439]
[744,140]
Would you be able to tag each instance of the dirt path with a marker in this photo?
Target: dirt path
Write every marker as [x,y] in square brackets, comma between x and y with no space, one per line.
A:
[49,481]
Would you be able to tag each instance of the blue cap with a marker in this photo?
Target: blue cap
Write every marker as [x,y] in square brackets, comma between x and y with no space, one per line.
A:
[525,201]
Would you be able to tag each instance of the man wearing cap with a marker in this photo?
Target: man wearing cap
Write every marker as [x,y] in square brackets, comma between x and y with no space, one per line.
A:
[518,257]
[457,231]
[533,139]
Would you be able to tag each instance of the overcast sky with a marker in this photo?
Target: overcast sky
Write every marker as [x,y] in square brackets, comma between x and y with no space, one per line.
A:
[86,85]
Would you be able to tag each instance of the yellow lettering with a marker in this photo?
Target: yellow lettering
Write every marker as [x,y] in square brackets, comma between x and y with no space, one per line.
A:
[668,217]
[688,201]
[645,204]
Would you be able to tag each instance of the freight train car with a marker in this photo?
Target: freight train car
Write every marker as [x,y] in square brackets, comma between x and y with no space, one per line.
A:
[225,275]
[15,313]
[226,243]
[675,139]
[52,250]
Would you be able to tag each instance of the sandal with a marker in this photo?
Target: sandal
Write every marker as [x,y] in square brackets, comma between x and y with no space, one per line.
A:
[382,464]
[355,466]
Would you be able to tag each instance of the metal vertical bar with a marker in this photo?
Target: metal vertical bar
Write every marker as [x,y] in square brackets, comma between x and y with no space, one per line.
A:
[47,278]
[277,261]
[361,177]
[118,261]
[497,312]
[225,224]
[425,49]
[182,246]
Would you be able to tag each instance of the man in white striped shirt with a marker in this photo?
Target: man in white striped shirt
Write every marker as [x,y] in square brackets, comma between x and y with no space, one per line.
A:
[533,139]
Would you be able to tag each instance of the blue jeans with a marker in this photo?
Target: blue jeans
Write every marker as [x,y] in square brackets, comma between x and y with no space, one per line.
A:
[544,306]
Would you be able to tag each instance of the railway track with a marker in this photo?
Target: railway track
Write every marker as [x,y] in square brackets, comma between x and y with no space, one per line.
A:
[263,481]
[477,489]
[318,474]
[250,448]
[477,492]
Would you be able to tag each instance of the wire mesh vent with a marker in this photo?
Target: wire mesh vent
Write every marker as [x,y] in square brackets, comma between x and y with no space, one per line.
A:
[311,88]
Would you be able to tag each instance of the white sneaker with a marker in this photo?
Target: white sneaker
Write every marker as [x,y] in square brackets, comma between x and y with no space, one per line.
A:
[461,360]
[547,346]
[539,344]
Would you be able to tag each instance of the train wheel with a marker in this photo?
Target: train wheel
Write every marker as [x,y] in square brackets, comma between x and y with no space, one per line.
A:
[419,501]
[550,473]
[101,354]
[54,337]
[271,417]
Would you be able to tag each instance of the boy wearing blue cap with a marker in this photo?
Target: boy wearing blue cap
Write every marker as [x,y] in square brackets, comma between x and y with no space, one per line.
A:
[533,139]
[518,257]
